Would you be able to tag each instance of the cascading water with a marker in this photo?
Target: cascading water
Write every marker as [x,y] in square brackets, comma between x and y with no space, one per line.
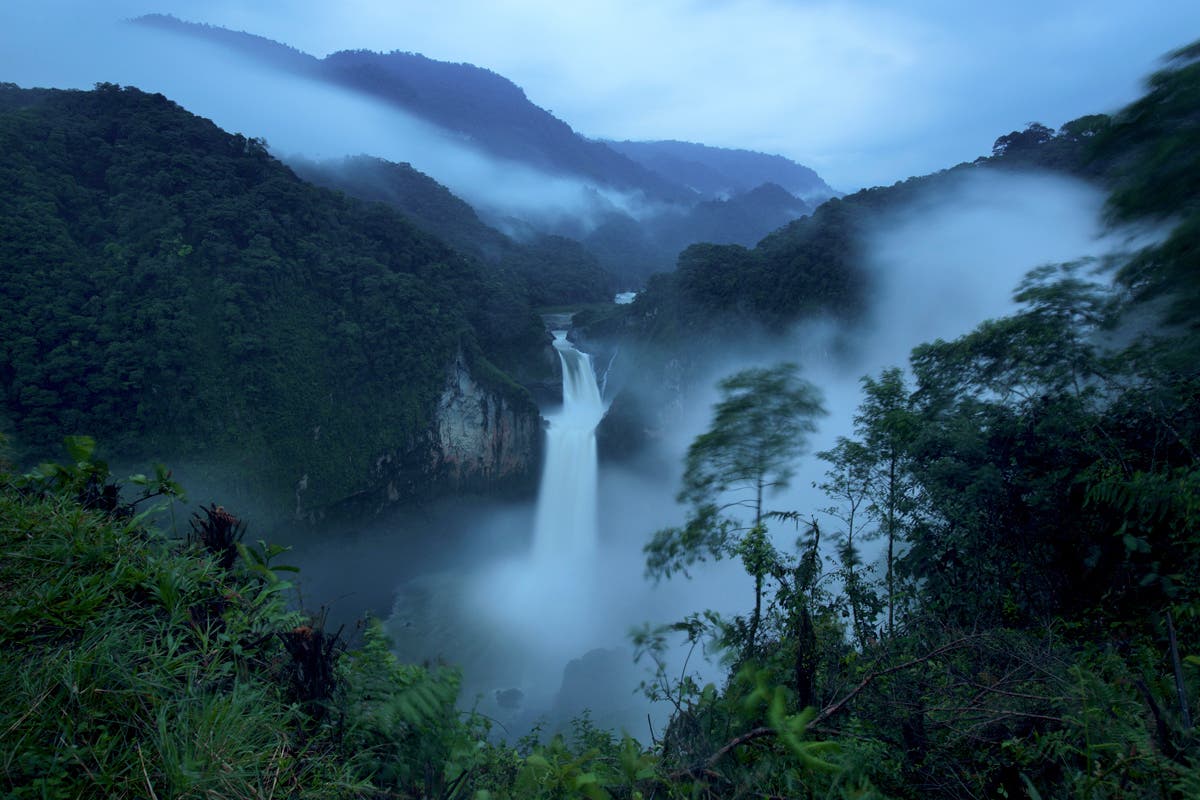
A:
[565,525]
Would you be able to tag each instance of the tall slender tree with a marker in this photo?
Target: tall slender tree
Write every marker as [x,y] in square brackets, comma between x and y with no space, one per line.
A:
[760,427]
[887,425]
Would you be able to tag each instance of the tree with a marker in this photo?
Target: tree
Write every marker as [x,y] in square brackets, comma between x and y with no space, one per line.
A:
[888,426]
[847,483]
[760,426]
[1035,134]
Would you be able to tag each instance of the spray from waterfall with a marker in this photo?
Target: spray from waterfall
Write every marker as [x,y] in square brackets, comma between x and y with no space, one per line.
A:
[565,526]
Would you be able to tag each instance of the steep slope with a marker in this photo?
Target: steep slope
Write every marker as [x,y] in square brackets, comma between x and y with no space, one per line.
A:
[427,203]
[718,172]
[174,290]
[636,248]
[490,110]
[814,266]
[552,270]
[684,193]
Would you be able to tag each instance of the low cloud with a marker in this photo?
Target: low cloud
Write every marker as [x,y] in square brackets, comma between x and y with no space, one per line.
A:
[296,116]
[866,92]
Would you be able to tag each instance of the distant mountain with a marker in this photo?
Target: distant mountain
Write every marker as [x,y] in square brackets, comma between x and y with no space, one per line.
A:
[634,249]
[696,193]
[489,109]
[720,172]
[815,266]
[551,270]
[744,218]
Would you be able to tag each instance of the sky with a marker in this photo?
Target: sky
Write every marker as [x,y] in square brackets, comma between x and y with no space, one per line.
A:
[866,92]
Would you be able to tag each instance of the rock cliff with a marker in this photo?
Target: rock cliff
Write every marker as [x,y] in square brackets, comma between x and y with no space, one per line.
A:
[483,437]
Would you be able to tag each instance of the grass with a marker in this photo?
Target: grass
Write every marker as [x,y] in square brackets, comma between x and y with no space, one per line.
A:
[135,666]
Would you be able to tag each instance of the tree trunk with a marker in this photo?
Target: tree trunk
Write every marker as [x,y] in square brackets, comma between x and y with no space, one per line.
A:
[891,545]
[758,584]
[758,577]
[806,659]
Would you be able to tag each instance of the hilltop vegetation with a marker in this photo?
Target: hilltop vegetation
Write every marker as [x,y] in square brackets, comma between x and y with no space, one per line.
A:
[171,288]
[1029,632]
[811,268]
[549,270]
[1030,628]
[144,666]
[642,202]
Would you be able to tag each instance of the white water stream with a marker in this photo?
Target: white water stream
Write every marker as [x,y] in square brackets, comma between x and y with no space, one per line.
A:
[565,526]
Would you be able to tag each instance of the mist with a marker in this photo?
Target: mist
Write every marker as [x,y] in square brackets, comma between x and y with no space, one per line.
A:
[947,262]
[298,117]
[457,581]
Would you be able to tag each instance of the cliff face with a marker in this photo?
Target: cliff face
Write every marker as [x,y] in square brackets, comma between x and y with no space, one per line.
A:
[482,438]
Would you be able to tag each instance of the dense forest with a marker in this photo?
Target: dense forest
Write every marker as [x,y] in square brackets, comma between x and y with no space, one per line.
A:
[1030,632]
[550,270]
[171,288]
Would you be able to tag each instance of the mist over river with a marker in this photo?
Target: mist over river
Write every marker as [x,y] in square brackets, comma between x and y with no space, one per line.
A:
[536,600]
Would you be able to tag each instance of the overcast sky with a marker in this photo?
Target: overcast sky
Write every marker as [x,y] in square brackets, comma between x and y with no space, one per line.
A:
[867,92]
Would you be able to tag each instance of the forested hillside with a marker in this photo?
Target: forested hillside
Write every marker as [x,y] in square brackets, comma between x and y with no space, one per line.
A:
[1029,628]
[718,171]
[641,208]
[553,270]
[172,289]
[815,266]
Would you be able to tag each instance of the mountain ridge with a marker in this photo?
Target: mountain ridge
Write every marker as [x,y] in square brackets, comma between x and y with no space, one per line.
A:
[720,171]
[450,95]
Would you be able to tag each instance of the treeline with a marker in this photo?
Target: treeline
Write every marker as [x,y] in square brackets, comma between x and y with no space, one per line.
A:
[171,288]
[1030,626]
[1030,630]
[815,266]
[549,270]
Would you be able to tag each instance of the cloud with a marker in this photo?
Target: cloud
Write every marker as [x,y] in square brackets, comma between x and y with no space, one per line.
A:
[296,116]
[866,91]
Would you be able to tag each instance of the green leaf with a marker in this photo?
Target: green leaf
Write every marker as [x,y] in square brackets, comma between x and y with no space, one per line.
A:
[80,448]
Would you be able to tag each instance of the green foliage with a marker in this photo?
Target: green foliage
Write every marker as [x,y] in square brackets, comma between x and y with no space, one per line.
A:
[806,269]
[401,723]
[134,668]
[171,287]
[1155,164]
[848,483]
[141,667]
[544,270]
[759,428]
[88,480]
[1036,484]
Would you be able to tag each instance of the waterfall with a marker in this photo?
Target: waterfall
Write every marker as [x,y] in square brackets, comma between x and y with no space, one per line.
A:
[566,513]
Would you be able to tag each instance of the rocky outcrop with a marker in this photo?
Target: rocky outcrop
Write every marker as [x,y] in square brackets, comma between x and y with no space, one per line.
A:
[483,437]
